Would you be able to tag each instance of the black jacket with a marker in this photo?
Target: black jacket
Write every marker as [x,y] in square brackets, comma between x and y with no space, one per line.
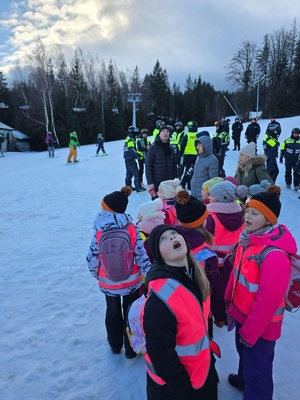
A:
[252,131]
[160,327]
[237,128]
[161,162]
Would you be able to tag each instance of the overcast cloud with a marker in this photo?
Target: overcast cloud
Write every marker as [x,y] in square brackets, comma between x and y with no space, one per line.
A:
[191,36]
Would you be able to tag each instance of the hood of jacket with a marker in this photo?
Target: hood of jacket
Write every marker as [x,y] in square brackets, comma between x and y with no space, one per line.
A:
[252,163]
[207,143]
[106,220]
[230,215]
[280,237]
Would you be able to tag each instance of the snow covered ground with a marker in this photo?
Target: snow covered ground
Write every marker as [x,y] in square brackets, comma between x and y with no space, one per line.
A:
[52,335]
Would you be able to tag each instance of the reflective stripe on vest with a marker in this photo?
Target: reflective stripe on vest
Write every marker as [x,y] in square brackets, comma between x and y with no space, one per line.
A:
[248,282]
[224,240]
[105,283]
[192,341]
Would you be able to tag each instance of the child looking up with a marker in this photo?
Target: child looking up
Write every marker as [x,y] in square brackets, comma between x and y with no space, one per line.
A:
[256,293]
[119,293]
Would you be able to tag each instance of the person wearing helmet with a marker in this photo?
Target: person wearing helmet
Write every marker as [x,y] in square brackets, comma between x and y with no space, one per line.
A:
[237,128]
[143,145]
[220,146]
[100,144]
[50,144]
[130,155]
[271,146]
[188,152]
[158,124]
[252,131]
[290,151]
[179,132]
[272,122]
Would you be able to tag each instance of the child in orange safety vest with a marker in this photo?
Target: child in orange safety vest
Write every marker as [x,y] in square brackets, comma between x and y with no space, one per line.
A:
[119,281]
[256,292]
[179,360]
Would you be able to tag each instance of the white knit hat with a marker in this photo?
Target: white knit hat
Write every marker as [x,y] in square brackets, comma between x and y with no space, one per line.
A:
[249,150]
[149,210]
[169,188]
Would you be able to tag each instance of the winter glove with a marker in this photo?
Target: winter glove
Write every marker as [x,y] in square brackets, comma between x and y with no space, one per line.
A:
[153,194]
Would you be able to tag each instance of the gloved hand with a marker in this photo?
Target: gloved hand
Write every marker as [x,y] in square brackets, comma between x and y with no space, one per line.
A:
[281,161]
[152,193]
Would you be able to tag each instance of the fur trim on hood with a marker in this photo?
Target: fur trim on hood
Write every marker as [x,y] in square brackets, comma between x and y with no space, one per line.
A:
[224,208]
[253,162]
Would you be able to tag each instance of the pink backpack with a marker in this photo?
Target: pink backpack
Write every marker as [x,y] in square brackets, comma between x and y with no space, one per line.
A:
[292,294]
[134,327]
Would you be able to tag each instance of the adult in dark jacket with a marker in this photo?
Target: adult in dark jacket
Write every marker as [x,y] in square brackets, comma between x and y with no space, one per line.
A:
[130,156]
[251,168]
[237,128]
[271,146]
[290,150]
[162,327]
[252,131]
[206,166]
[161,162]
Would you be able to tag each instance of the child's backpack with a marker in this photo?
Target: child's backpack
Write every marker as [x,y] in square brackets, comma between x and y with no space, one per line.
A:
[134,327]
[292,294]
[116,253]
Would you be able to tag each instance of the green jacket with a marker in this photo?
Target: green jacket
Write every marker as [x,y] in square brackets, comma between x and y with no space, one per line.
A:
[253,172]
[73,140]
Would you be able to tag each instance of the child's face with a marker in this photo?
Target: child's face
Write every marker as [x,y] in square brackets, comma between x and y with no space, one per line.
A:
[200,148]
[139,217]
[172,248]
[212,199]
[254,220]
[204,194]
[160,193]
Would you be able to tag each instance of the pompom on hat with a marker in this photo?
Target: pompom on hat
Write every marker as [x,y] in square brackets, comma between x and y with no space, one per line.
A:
[117,201]
[191,212]
[211,182]
[232,180]
[227,192]
[169,188]
[267,203]
[150,209]
[259,188]
[249,150]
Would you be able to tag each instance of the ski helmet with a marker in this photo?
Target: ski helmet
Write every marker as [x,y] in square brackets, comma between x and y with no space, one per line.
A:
[144,130]
[179,123]
[158,123]
[171,129]
[99,135]
[132,129]
[49,133]
[192,126]
[296,130]
[272,127]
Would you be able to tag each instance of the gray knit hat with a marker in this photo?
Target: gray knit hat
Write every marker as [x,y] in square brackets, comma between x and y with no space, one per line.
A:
[259,188]
[249,150]
[227,192]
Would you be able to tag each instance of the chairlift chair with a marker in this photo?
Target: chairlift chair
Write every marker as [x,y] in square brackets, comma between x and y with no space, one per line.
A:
[78,109]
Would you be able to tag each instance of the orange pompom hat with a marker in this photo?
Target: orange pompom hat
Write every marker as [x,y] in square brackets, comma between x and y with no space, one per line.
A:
[191,212]
[267,203]
[117,201]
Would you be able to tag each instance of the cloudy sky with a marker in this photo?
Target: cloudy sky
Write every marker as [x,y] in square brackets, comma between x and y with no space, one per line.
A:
[187,36]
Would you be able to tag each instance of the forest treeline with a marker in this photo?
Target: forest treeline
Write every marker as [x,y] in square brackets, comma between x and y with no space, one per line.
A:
[91,96]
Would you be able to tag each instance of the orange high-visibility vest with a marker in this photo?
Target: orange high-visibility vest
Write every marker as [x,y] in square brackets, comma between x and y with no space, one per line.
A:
[224,240]
[106,283]
[248,282]
[192,341]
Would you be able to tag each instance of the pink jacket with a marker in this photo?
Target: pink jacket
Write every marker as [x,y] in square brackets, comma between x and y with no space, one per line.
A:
[273,281]
[148,225]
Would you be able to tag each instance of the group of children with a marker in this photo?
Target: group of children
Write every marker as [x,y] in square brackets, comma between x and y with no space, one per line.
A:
[179,246]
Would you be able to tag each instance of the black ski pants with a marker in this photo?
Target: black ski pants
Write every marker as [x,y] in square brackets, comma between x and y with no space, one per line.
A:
[115,320]
[290,165]
[272,168]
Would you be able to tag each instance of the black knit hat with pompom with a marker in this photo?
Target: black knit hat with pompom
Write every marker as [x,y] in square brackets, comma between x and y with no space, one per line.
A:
[191,212]
[117,201]
[267,203]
